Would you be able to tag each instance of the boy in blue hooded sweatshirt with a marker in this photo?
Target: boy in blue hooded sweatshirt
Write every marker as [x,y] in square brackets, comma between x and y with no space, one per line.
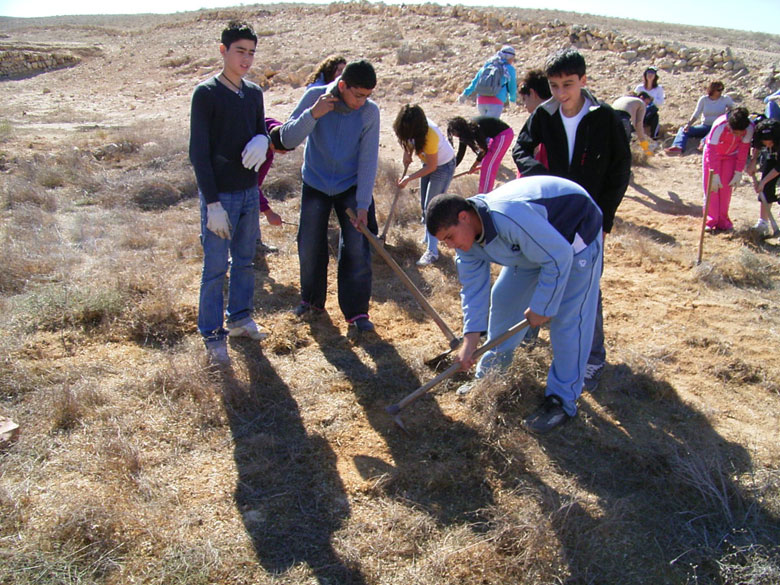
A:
[546,232]
[339,169]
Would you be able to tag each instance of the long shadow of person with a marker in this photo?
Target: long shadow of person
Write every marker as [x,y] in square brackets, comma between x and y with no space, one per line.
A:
[674,205]
[663,503]
[288,492]
[440,471]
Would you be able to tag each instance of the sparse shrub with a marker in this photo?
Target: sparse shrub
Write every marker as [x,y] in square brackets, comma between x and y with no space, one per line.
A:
[156,194]
[177,61]
[17,191]
[6,130]
[91,533]
[409,53]
[745,270]
[56,306]
[739,372]
[123,455]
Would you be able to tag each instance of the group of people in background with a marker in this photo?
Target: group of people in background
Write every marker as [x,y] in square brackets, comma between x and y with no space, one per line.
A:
[546,228]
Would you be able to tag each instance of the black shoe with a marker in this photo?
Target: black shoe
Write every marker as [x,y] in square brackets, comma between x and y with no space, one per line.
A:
[306,309]
[363,324]
[548,416]
[593,376]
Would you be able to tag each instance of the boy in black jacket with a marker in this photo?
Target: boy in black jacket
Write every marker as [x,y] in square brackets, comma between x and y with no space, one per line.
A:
[586,143]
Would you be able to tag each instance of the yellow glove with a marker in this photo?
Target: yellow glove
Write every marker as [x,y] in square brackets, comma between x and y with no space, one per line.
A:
[645,147]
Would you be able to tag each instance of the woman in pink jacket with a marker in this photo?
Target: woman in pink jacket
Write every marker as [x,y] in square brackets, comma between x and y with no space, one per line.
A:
[725,154]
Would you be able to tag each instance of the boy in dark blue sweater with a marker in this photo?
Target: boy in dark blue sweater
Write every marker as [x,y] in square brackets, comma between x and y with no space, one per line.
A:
[228,143]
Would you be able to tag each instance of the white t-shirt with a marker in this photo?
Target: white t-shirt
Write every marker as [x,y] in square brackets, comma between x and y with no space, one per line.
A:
[436,142]
[657,93]
[570,125]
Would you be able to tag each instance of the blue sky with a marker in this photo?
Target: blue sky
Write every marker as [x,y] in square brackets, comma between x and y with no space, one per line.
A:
[754,15]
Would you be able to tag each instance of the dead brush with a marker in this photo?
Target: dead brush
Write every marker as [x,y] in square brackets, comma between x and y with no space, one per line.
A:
[89,532]
[498,402]
[71,403]
[59,306]
[184,383]
[122,455]
[29,257]
[746,269]
[18,192]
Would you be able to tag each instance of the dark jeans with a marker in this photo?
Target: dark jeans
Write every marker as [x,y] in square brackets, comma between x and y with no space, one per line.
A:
[651,119]
[354,256]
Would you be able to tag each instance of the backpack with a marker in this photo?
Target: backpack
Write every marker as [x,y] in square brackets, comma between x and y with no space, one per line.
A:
[491,78]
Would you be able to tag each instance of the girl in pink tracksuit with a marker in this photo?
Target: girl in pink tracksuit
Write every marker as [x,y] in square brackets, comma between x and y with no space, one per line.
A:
[725,154]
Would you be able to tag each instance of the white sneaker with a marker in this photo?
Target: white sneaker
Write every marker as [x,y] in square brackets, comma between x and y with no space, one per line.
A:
[217,355]
[248,329]
[427,258]
[465,388]
[762,227]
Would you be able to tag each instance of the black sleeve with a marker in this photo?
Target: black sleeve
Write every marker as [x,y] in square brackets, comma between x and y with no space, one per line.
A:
[618,173]
[525,146]
[200,143]
[461,152]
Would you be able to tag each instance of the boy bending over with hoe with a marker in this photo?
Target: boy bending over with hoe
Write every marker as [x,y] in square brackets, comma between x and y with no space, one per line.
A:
[546,233]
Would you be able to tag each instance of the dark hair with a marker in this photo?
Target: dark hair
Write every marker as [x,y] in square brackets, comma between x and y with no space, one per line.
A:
[468,132]
[565,62]
[236,31]
[327,68]
[359,74]
[655,79]
[443,210]
[738,118]
[714,86]
[644,95]
[411,127]
[536,80]
[767,129]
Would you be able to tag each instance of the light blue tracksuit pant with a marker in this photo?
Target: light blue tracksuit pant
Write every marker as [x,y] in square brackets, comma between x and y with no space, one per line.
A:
[571,329]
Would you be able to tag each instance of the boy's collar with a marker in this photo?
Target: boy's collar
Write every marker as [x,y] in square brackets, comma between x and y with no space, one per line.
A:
[489,232]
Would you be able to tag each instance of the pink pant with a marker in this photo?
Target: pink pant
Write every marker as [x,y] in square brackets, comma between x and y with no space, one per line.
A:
[718,210]
[492,162]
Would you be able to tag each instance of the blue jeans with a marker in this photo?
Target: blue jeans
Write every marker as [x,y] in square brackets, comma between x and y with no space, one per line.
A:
[243,209]
[571,328]
[491,110]
[698,131]
[431,185]
[354,269]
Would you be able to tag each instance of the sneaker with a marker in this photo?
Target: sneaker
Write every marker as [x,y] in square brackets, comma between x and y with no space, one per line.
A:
[217,355]
[464,389]
[673,150]
[548,416]
[593,376]
[363,324]
[762,227]
[305,308]
[427,258]
[248,329]
[262,248]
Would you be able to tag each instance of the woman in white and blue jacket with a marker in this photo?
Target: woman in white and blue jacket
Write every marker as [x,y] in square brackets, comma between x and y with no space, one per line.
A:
[493,106]
[546,233]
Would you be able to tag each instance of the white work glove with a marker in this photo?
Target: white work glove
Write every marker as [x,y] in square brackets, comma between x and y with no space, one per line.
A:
[735,180]
[253,155]
[217,220]
[716,182]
